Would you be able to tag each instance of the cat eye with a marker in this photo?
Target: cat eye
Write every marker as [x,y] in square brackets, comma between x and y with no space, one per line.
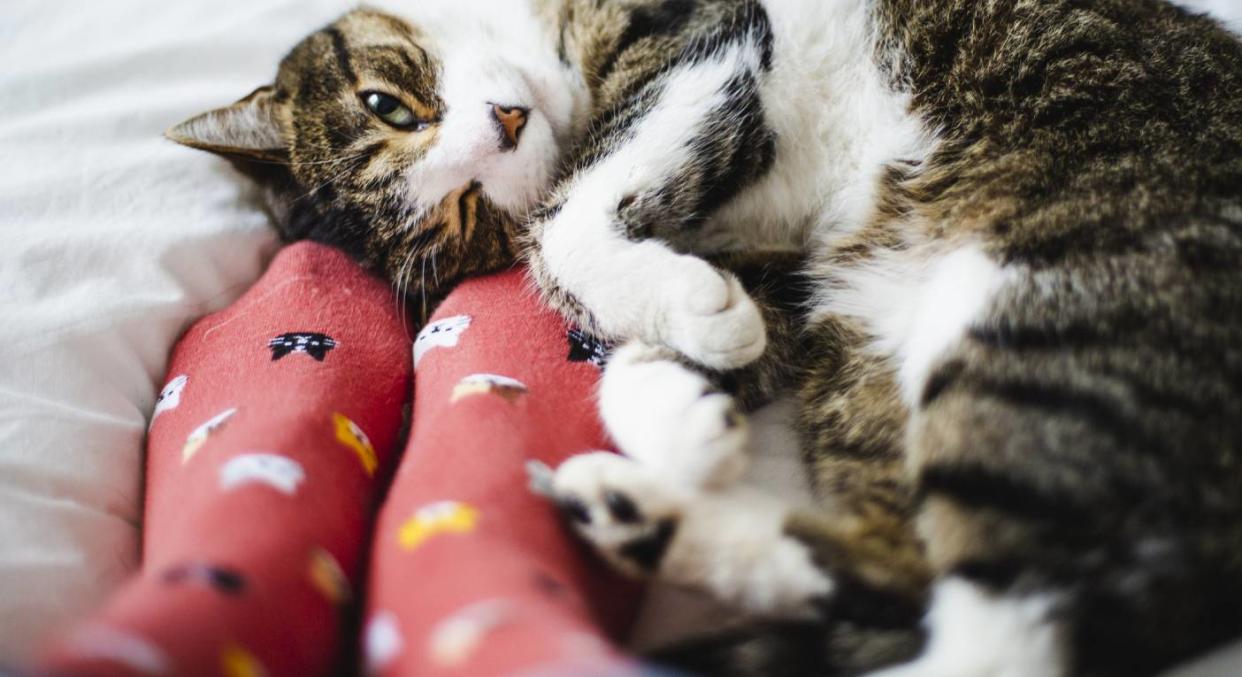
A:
[389,109]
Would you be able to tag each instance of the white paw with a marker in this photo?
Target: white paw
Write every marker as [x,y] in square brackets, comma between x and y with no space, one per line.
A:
[706,315]
[731,544]
[670,418]
[620,508]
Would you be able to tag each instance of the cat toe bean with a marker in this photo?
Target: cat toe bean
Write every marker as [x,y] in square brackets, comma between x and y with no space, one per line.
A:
[620,507]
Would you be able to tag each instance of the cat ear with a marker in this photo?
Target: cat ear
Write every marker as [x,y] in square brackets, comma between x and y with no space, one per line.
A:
[251,129]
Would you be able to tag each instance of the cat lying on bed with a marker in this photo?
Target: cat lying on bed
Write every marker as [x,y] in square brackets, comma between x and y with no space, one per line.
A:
[1020,397]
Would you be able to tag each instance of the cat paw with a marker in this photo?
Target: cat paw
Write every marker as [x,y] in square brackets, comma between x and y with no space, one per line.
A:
[730,544]
[671,419]
[620,508]
[707,316]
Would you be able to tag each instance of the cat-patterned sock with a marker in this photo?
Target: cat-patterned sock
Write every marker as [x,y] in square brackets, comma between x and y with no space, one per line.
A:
[472,573]
[268,452]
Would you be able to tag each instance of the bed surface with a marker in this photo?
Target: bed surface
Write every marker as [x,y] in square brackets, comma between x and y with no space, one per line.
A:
[114,240]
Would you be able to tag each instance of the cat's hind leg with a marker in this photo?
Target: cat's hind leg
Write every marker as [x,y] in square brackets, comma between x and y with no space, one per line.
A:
[672,419]
[731,543]
[1078,471]
[688,422]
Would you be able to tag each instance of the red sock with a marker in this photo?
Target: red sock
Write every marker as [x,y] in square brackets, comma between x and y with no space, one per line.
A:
[471,573]
[267,455]
[268,451]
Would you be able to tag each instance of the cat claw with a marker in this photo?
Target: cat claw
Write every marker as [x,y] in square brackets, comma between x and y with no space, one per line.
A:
[539,478]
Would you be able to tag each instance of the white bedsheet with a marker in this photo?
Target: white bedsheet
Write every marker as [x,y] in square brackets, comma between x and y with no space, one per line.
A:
[111,241]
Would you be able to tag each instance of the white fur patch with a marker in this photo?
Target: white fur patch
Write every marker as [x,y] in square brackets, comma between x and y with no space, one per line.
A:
[838,123]
[918,305]
[730,543]
[667,417]
[733,543]
[977,634]
[955,295]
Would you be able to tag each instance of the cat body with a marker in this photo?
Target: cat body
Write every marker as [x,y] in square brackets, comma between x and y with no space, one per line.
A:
[1015,343]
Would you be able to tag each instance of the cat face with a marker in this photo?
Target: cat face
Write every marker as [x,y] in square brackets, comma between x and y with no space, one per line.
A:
[416,144]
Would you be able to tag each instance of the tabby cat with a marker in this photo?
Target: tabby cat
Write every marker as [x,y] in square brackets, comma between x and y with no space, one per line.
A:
[1020,352]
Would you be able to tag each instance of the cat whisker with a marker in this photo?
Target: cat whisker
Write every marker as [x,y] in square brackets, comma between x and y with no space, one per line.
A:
[306,163]
[402,288]
[334,177]
[332,161]
[423,290]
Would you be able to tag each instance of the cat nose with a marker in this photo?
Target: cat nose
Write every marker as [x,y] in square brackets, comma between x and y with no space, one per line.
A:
[511,120]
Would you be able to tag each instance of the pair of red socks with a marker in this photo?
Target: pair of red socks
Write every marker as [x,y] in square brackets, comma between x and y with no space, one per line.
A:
[274,445]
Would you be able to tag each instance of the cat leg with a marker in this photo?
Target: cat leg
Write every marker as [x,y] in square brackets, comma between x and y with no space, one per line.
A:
[671,418]
[862,534]
[618,288]
[865,536]
[731,543]
[977,632]
[668,156]
[853,424]
[688,422]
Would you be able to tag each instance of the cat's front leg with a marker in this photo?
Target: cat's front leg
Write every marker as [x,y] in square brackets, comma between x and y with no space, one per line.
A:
[659,162]
[620,288]
[687,422]
[671,418]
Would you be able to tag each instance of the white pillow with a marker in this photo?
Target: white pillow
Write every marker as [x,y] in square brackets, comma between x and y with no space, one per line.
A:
[1229,11]
[112,240]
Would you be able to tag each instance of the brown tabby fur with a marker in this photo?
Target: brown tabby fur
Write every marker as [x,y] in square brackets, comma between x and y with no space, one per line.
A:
[1086,437]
